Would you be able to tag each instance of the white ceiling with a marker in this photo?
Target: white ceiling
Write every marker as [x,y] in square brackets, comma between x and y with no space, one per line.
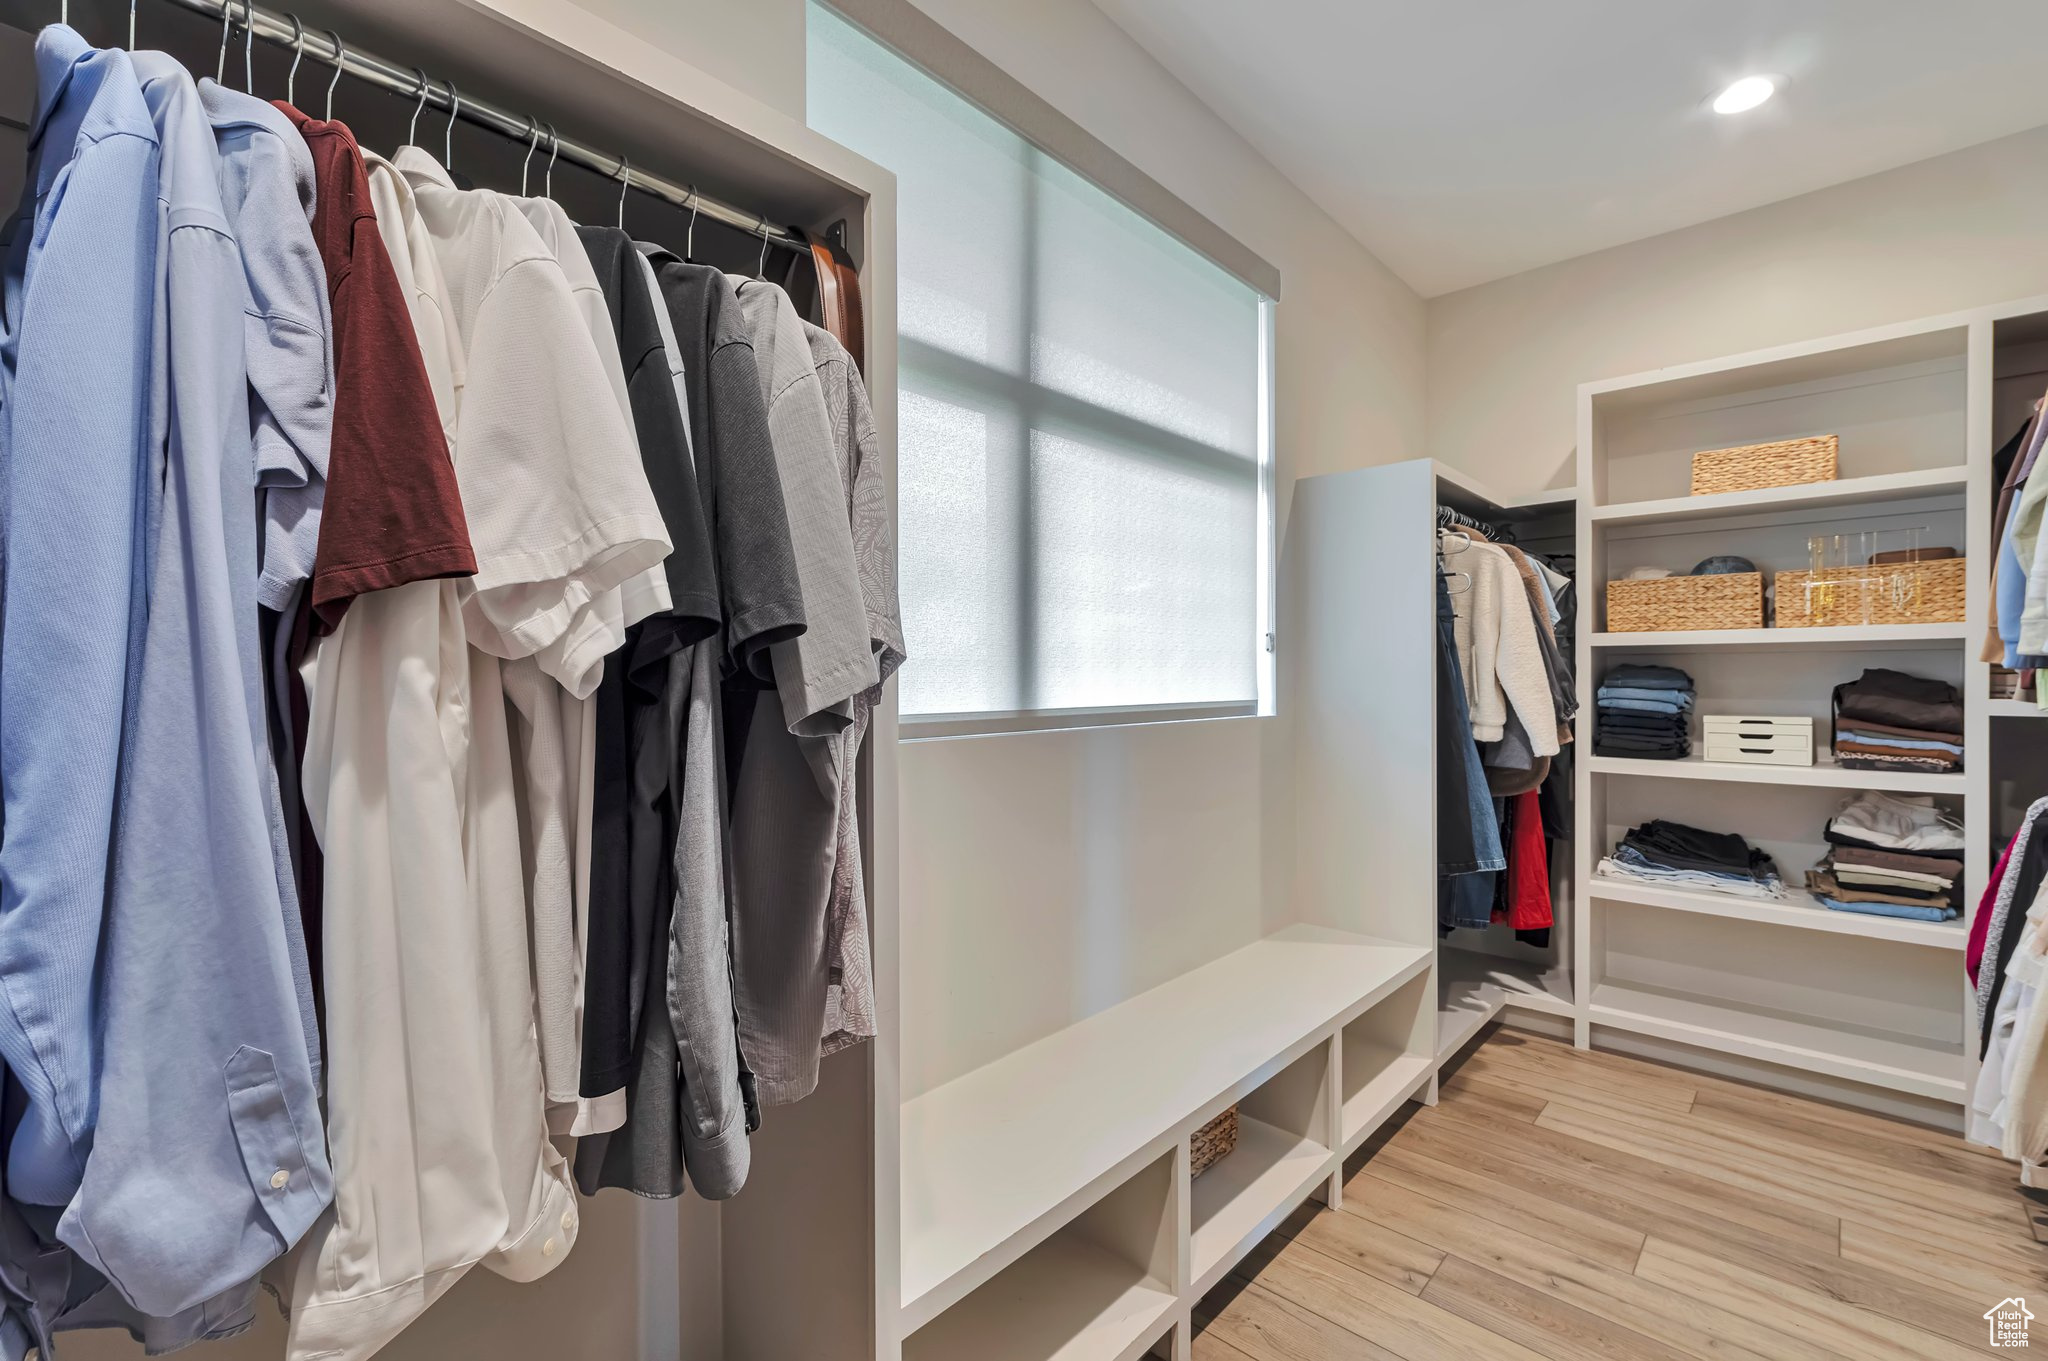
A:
[1466,140]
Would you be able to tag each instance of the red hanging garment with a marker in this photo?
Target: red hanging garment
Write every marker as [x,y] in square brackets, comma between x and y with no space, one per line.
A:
[1528,868]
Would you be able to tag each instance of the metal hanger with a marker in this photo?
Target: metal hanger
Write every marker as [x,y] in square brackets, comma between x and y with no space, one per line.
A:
[554,148]
[624,184]
[291,79]
[532,141]
[690,237]
[412,129]
[131,25]
[248,46]
[340,61]
[227,19]
[761,269]
[448,133]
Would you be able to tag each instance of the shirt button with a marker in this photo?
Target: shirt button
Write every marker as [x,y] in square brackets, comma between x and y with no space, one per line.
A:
[279,1178]
[568,1221]
[547,1249]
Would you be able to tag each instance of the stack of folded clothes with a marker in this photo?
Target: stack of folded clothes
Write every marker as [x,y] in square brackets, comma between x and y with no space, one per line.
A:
[1892,855]
[1887,720]
[1643,712]
[1674,855]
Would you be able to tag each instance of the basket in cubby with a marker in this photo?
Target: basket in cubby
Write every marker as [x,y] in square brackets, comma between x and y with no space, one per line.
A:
[1729,600]
[1213,1142]
[1929,592]
[1753,467]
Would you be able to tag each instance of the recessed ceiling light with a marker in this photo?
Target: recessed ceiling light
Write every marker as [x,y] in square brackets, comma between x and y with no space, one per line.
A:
[1744,94]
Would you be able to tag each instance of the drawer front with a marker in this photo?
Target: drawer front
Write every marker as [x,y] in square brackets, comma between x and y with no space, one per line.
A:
[1757,753]
[1763,741]
[1747,727]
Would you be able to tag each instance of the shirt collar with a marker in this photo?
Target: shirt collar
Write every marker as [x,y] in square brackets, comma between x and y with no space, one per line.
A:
[60,51]
[419,167]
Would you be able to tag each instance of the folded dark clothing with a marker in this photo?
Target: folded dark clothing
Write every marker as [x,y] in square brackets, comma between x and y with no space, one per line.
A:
[1631,718]
[1836,838]
[1640,739]
[1881,696]
[1910,861]
[1638,676]
[1694,843]
[1643,748]
[1601,748]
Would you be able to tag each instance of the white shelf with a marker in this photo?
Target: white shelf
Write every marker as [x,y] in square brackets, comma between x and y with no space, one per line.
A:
[1854,491]
[2015,708]
[1398,1078]
[1859,637]
[1068,1300]
[1798,911]
[1239,1200]
[997,1159]
[1823,774]
[1906,1063]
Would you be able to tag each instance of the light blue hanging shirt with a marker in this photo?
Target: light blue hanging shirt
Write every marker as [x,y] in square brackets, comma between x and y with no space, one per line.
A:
[77,280]
[209,1159]
[268,192]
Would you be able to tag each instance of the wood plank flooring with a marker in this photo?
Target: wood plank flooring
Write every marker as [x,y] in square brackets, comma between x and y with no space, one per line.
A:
[1570,1205]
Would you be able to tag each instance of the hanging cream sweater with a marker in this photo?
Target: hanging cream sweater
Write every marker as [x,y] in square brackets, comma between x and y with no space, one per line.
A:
[1497,648]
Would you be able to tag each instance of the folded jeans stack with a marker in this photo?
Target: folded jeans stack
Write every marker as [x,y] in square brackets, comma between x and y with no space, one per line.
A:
[1644,713]
[1887,720]
[1891,856]
[1673,855]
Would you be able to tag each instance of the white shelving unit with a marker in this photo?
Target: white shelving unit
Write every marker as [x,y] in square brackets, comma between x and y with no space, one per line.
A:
[1822,774]
[2015,708]
[1733,980]
[1091,1126]
[1800,910]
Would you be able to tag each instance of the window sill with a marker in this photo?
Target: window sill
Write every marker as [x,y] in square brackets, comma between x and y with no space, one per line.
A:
[913,728]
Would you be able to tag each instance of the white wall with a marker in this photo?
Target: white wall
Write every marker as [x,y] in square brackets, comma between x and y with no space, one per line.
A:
[752,45]
[1506,358]
[1048,876]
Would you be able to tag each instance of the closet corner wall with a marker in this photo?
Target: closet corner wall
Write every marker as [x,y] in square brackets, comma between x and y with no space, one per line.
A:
[1360,685]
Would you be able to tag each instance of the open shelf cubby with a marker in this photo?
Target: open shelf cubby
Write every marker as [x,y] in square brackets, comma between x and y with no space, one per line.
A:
[1282,1153]
[1099,1289]
[1385,1055]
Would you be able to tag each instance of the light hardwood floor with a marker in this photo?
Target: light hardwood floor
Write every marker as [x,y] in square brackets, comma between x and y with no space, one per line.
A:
[1572,1205]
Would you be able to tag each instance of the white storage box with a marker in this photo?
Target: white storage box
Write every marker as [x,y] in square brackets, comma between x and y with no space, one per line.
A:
[1758,740]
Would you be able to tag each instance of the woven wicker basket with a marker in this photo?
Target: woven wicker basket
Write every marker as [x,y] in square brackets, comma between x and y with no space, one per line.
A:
[1749,467]
[1898,593]
[1733,600]
[1213,1142]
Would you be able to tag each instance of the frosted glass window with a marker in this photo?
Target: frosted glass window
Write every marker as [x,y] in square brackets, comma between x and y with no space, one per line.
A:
[1081,419]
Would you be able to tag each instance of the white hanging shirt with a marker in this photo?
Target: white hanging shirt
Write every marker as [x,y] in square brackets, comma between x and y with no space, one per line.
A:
[436,1116]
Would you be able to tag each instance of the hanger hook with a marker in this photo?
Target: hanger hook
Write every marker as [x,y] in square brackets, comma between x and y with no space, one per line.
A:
[554,149]
[690,238]
[532,140]
[625,171]
[761,269]
[249,46]
[412,129]
[291,79]
[340,61]
[227,20]
[448,133]
[131,25]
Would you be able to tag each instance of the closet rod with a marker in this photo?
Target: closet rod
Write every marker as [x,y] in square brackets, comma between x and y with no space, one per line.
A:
[274,27]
